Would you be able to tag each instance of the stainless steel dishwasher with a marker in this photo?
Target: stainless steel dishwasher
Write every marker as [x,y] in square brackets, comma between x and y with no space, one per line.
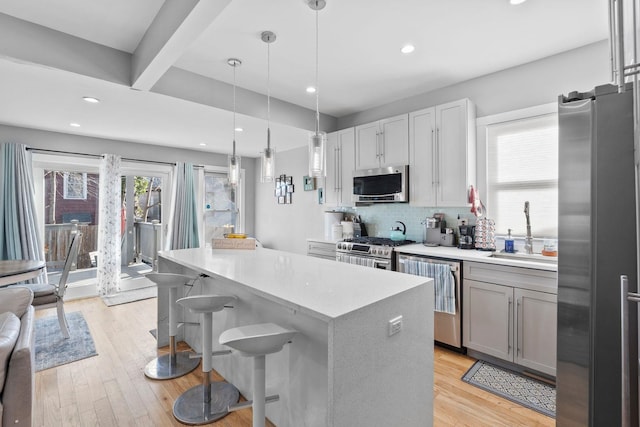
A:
[447,327]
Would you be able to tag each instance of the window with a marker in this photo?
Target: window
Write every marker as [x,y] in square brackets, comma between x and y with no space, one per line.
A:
[75,185]
[522,165]
[221,206]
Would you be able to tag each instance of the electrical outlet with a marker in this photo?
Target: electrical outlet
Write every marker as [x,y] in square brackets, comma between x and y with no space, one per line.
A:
[395,325]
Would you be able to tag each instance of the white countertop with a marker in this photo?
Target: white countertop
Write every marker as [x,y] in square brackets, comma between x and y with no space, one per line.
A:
[471,255]
[319,287]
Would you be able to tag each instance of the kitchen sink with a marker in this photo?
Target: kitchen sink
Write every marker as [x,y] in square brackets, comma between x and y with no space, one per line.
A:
[525,257]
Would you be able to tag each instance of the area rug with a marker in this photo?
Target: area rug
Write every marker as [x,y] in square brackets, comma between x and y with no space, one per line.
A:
[130,296]
[52,349]
[528,392]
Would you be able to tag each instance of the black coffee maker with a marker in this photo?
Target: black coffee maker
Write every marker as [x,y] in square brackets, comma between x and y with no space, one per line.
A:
[467,237]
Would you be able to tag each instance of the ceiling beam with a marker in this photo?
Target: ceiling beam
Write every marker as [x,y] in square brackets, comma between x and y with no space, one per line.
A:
[29,43]
[175,27]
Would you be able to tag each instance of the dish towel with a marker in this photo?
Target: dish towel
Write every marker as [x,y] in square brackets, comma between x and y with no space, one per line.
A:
[444,284]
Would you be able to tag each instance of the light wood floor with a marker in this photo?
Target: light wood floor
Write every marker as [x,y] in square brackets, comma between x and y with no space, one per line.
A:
[111,389]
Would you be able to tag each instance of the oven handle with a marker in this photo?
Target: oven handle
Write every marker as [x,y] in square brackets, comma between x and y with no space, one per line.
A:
[387,264]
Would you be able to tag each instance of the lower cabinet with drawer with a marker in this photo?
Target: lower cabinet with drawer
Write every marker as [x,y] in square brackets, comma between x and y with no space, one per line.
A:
[321,249]
[510,313]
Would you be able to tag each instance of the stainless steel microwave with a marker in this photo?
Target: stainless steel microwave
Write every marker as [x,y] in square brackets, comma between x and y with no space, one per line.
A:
[382,185]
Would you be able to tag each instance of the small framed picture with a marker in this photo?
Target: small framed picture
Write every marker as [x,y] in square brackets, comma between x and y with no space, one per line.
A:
[289,180]
[287,199]
[289,188]
[281,199]
[309,183]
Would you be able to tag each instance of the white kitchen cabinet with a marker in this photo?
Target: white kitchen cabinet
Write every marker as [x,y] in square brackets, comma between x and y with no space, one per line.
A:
[442,154]
[340,166]
[511,313]
[536,322]
[321,249]
[487,318]
[382,143]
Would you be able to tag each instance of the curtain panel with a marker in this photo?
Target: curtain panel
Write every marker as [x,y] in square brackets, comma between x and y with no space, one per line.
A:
[109,225]
[183,222]
[19,236]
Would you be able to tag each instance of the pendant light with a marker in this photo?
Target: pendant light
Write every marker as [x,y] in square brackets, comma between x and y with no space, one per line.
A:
[317,140]
[234,161]
[268,156]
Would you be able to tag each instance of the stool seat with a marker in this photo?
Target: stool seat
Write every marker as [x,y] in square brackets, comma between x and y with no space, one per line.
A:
[169,280]
[258,339]
[205,303]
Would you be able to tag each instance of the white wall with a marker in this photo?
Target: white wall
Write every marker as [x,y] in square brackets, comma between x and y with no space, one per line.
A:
[287,227]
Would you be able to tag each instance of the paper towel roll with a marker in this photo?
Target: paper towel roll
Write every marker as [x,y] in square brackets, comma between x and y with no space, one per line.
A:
[330,219]
[336,232]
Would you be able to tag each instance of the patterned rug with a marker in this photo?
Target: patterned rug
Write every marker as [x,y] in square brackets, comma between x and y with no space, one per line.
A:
[520,389]
[52,349]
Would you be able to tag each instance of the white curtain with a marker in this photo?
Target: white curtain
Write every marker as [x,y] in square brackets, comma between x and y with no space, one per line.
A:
[183,221]
[109,223]
[19,236]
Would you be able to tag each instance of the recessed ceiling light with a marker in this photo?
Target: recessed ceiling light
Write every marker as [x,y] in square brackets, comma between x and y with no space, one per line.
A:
[514,2]
[408,48]
[239,129]
[311,89]
[91,99]
[75,125]
[203,144]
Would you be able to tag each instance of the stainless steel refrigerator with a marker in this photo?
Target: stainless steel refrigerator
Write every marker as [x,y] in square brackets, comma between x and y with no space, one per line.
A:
[597,245]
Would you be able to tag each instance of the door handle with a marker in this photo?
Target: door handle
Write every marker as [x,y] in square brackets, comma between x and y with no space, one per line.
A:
[520,326]
[509,316]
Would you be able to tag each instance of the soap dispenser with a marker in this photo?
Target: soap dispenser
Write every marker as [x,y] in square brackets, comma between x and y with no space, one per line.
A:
[508,244]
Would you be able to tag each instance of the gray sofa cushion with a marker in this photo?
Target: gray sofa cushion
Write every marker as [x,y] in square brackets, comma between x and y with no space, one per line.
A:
[15,300]
[9,331]
[19,386]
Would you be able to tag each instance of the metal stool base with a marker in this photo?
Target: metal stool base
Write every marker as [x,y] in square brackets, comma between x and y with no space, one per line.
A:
[189,407]
[161,367]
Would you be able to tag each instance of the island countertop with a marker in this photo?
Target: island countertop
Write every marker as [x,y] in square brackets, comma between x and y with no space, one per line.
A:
[320,288]
[363,355]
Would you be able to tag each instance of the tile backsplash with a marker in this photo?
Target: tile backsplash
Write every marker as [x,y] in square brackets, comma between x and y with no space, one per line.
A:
[380,218]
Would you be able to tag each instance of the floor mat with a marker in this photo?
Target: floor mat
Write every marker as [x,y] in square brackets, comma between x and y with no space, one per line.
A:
[52,349]
[526,391]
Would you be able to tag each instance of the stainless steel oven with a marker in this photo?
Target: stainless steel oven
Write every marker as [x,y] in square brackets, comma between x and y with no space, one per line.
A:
[373,252]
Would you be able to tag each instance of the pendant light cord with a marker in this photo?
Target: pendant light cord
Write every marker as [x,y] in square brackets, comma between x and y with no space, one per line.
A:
[317,88]
[268,96]
[234,109]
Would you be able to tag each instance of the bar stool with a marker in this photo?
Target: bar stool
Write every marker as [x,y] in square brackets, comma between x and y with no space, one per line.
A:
[175,364]
[207,402]
[257,341]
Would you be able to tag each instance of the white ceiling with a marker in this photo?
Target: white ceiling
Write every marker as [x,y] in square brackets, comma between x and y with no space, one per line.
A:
[360,61]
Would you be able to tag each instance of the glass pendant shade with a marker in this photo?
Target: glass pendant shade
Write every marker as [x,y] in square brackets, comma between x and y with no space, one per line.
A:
[234,169]
[268,164]
[317,149]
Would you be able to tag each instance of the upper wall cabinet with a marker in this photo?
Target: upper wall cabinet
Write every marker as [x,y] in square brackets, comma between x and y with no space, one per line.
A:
[382,143]
[340,166]
[443,154]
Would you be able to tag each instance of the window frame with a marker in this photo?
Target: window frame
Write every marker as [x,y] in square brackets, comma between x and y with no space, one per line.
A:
[482,130]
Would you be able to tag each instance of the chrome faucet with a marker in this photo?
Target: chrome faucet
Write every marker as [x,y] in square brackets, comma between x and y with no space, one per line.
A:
[528,241]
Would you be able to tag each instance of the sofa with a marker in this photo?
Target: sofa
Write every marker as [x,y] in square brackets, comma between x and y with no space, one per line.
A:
[17,354]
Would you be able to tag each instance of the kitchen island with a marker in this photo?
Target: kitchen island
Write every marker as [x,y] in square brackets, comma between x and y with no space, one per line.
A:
[343,368]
